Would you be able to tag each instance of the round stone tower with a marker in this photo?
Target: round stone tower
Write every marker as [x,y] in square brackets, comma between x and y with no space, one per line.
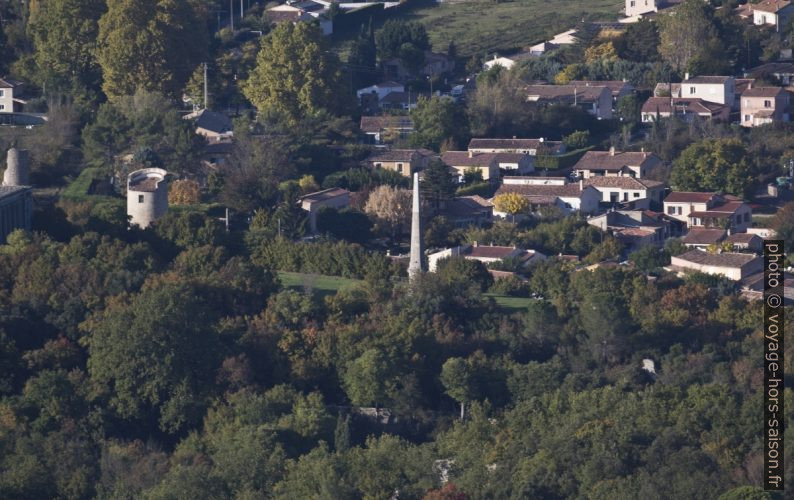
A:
[147,196]
[17,168]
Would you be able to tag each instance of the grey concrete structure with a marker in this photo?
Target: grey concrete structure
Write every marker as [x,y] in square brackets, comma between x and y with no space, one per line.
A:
[415,264]
[147,196]
[16,209]
[17,171]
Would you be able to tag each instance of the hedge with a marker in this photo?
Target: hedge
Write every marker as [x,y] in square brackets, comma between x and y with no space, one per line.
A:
[556,162]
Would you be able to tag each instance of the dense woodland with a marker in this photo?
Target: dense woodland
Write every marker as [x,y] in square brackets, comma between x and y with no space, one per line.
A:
[171,362]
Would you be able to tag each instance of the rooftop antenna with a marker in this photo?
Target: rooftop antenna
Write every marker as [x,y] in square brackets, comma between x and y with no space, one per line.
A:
[206,93]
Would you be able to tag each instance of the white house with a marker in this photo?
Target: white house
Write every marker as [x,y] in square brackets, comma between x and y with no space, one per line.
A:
[380,90]
[735,266]
[772,12]
[486,254]
[573,197]
[719,89]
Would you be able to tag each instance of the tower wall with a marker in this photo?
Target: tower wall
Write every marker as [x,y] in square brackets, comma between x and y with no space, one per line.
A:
[17,171]
[147,196]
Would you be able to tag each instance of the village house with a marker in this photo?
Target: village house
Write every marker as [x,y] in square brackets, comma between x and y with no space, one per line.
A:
[532,147]
[703,237]
[337,198]
[639,193]
[595,100]
[465,211]
[762,105]
[639,7]
[386,128]
[772,12]
[616,164]
[8,102]
[719,89]
[488,164]
[302,11]
[636,228]
[686,109]
[782,72]
[735,266]
[486,254]
[214,126]
[507,62]
[746,241]
[380,90]
[618,88]
[404,101]
[402,161]
[543,191]
[709,210]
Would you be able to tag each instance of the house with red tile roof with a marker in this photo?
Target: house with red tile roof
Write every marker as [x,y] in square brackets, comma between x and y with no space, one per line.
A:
[709,210]
[616,163]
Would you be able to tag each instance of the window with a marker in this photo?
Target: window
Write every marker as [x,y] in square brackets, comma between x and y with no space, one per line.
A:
[747,118]
[767,104]
[140,198]
[693,90]
[632,3]
[671,210]
[680,210]
[747,216]
[377,165]
[637,194]
[400,166]
[2,93]
[2,107]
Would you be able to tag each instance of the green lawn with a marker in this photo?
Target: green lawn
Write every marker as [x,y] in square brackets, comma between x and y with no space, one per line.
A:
[325,285]
[511,304]
[329,285]
[483,26]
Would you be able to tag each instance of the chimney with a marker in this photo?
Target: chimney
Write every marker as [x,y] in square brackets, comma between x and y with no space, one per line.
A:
[415,264]
[514,137]
[686,76]
[474,244]
[471,154]
[541,140]
[611,150]
[581,184]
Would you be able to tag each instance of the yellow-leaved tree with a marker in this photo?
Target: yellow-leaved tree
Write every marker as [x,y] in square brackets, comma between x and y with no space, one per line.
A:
[511,203]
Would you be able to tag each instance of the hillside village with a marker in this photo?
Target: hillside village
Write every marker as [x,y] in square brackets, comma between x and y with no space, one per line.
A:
[298,250]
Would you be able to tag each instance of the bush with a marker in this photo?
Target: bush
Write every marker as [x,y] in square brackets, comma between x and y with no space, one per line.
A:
[511,286]
[333,259]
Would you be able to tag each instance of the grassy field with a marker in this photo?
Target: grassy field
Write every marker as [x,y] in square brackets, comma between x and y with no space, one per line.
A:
[483,26]
[324,285]
[329,285]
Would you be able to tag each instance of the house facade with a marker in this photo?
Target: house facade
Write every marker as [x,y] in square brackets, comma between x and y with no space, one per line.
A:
[686,109]
[762,105]
[639,7]
[719,89]
[616,163]
[486,254]
[709,210]
[488,164]
[772,12]
[380,90]
[8,102]
[735,266]
[635,228]
[402,161]
[569,197]
[642,193]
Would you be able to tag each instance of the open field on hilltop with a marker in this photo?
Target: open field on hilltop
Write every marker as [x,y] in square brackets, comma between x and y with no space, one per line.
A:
[482,26]
[329,285]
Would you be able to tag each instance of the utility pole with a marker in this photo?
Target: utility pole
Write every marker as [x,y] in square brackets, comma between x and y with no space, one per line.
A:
[206,92]
[242,11]
[231,15]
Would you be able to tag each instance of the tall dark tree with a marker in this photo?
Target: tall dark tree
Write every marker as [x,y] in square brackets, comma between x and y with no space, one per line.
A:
[438,184]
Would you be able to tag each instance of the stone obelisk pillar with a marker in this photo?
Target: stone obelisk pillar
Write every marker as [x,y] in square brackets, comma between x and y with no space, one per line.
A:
[415,266]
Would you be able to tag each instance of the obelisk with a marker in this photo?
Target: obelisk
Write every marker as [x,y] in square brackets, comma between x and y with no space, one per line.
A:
[415,263]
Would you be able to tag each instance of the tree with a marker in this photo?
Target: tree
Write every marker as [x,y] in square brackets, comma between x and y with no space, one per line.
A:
[149,44]
[465,272]
[365,379]
[155,352]
[391,207]
[649,258]
[295,75]
[601,52]
[438,184]
[511,203]
[64,35]
[498,106]
[577,140]
[184,192]
[783,224]
[437,120]
[396,33]
[456,378]
[722,165]
[688,38]
[640,42]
